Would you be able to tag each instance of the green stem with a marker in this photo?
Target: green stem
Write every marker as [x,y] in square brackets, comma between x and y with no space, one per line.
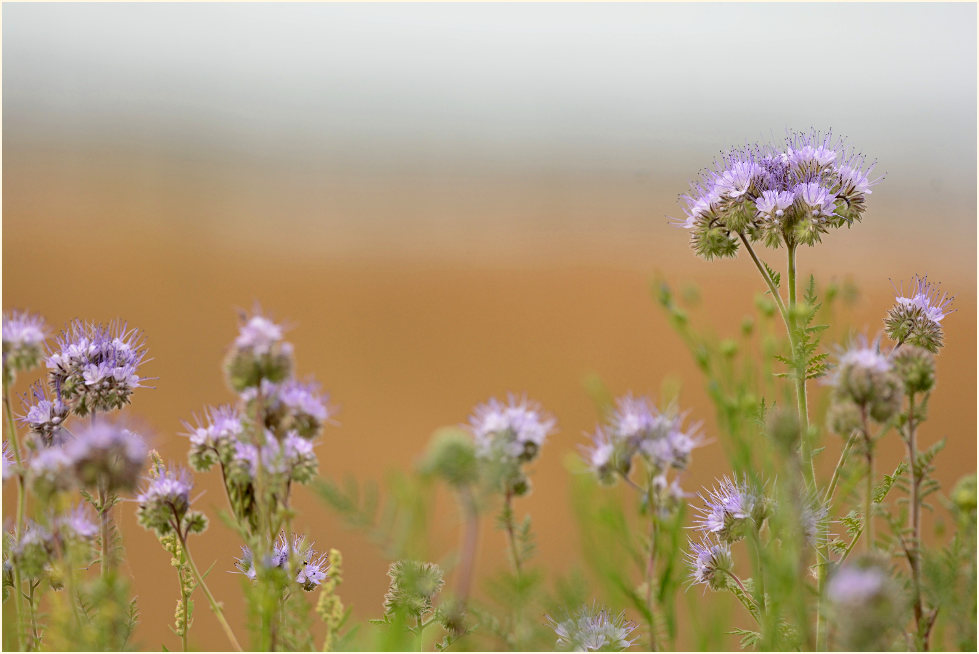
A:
[837,471]
[650,569]
[915,519]
[809,466]
[469,544]
[21,500]
[105,531]
[869,491]
[770,282]
[215,605]
[511,537]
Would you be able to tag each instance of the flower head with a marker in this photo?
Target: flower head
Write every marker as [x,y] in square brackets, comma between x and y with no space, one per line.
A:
[45,417]
[107,453]
[33,551]
[77,524]
[590,629]
[51,470]
[730,508]
[213,438]
[918,313]
[8,463]
[165,500]
[291,458]
[863,377]
[413,587]
[23,341]
[288,406]
[865,602]
[95,367]
[516,429]
[710,563]
[258,353]
[308,567]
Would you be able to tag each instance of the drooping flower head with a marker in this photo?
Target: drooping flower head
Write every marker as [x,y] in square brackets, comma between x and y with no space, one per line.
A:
[710,563]
[165,500]
[259,353]
[44,417]
[509,436]
[96,367]
[213,438]
[107,453]
[590,629]
[917,314]
[730,508]
[782,195]
[23,341]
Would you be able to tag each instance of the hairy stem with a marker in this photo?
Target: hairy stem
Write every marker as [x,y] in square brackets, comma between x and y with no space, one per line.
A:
[809,467]
[469,543]
[215,605]
[105,531]
[21,499]
[915,519]
[508,524]
[650,570]
[869,491]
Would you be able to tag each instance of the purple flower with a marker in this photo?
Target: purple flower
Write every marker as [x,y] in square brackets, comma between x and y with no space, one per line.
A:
[710,562]
[856,586]
[214,437]
[289,406]
[45,417]
[702,202]
[259,353]
[309,567]
[729,509]
[812,151]
[95,366]
[107,453]
[50,471]
[165,500]
[927,297]
[291,458]
[735,181]
[773,204]
[77,523]
[23,341]
[259,334]
[819,201]
[592,630]
[8,463]
[660,437]
[515,430]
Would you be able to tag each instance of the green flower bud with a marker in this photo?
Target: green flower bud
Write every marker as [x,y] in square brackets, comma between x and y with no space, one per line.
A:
[915,366]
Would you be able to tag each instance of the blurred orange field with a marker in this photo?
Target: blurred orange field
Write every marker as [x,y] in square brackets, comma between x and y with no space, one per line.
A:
[409,322]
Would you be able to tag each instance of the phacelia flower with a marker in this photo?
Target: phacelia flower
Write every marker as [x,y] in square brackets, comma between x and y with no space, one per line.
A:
[259,352]
[591,629]
[164,502]
[291,458]
[918,313]
[45,418]
[309,568]
[730,508]
[33,551]
[23,341]
[865,603]
[516,429]
[288,406]
[213,438]
[50,471]
[8,463]
[95,367]
[710,563]
[107,453]
[786,195]
[863,377]
[413,587]
[77,524]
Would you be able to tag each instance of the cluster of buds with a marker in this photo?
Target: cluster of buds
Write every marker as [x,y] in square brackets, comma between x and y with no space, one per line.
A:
[95,367]
[414,585]
[294,557]
[916,318]
[259,353]
[590,629]
[39,545]
[164,504]
[786,195]
[710,563]
[864,387]
[508,437]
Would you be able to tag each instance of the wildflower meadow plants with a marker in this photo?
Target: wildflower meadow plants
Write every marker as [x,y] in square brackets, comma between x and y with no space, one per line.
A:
[834,561]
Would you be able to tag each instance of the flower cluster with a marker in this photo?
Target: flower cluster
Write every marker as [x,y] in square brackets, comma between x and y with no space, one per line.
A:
[38,545]
[591,629]
[710,563]
[865,601]
[413,588]
[508,436]
[296,557]
[108,455]
[23,342]
[290,458]
[786,195]
[96,367]
[44,417]
[864,386]
[916,318]
[258,353]
[164,504]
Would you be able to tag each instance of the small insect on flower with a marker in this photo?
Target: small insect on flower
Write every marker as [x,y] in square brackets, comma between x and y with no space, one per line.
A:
[710,563]
[95,367]
[258,353]
[515,430]
[23,342]
[107,453]
[590,629]
[917,316]
[44,417]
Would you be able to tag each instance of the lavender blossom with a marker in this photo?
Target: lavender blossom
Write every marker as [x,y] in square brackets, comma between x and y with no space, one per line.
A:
[95,367]
[730,509]
[865,603]
[591,629]
[164,502]
[710,563]
[863,377]
[213,438]
[259,353]
[918,313]
[288,406]
[308,567]
[77,524]
[289,459]
[515,430]
[33,552]
[23,342]
[107,454]
[782,196]
[45,418]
